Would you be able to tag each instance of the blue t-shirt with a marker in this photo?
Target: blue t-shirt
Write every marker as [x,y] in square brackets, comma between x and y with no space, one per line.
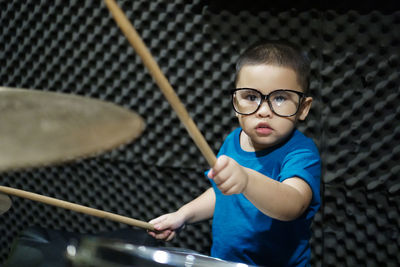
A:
[242,233]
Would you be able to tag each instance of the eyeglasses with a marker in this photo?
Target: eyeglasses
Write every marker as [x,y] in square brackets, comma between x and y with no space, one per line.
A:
[282,102]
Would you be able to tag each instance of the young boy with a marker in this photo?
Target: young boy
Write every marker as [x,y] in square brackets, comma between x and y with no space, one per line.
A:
[265,183]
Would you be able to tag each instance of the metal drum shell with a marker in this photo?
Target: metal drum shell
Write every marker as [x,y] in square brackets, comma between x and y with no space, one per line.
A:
[113,253]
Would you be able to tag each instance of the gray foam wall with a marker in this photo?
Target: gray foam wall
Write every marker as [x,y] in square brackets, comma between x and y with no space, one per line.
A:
[75,47]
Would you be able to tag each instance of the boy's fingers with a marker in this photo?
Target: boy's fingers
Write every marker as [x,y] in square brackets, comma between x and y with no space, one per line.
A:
[163,235]
[210,174]
[171,236]
[220,164]
[160,223]
[161,226]
[156,220]
[159,220]
[225,186]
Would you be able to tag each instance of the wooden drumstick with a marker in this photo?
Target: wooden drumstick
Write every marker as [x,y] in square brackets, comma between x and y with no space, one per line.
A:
[141,49]
[76,207]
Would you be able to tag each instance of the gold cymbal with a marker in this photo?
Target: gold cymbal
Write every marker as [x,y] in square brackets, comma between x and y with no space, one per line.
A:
[40,128]
[5,203]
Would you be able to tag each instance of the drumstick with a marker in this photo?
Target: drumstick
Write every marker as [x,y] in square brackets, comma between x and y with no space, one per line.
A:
[76,207]
[141,49]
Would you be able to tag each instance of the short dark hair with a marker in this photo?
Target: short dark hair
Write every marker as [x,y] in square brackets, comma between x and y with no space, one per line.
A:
[280,53]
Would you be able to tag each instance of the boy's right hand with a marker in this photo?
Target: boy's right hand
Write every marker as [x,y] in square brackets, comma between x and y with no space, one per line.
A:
[167,225]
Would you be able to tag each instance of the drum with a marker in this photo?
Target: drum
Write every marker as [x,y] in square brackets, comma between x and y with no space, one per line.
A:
[91,252]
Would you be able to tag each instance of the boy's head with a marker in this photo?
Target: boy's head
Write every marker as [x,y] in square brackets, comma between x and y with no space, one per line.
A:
[272,80]
[277,53]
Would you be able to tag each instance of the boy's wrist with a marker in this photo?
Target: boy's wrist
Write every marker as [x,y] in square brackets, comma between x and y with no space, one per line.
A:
[184,213]
[247,179]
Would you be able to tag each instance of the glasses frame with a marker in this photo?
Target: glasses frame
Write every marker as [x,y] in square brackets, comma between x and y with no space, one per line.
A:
[266,97]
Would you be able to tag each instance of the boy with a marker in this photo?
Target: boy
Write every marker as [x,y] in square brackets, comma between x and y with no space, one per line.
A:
[265,183]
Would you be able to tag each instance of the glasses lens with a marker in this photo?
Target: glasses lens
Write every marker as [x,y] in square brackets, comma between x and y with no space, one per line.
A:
[246,101]
[284,103]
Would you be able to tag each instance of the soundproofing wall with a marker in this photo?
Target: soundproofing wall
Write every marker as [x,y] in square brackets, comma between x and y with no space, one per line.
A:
[76,47]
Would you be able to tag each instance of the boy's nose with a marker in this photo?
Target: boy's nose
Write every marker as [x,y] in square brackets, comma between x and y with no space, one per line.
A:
[264,110]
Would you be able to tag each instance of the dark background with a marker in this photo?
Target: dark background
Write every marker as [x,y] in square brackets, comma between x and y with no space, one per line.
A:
[75,47]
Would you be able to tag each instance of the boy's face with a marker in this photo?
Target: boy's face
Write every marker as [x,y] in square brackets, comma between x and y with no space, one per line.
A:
[263,128]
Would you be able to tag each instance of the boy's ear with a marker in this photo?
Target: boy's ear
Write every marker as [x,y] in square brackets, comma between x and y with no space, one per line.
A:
[305,108]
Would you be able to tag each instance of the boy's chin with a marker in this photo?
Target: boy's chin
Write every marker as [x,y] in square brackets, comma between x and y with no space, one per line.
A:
[261,143]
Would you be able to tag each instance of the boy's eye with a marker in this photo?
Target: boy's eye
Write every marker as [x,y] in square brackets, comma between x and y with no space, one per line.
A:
[279,99]
[251,97]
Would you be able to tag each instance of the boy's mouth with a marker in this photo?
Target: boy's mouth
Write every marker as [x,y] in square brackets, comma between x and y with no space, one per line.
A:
[263,128]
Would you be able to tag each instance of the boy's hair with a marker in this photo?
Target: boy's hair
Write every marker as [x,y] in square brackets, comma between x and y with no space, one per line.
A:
[279,53]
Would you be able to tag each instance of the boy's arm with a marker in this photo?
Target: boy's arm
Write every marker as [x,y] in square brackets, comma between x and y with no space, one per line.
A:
[284,201]
[199,209]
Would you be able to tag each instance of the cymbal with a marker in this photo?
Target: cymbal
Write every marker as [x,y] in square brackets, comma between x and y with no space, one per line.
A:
[5,203]
[40,128]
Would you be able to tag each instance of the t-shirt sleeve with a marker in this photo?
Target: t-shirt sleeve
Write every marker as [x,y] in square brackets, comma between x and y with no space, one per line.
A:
[305,164]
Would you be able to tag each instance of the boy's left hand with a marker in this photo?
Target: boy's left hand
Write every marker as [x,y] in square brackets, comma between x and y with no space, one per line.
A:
[230,177]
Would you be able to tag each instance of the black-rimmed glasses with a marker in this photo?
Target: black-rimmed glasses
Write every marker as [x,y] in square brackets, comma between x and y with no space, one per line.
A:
[282,102]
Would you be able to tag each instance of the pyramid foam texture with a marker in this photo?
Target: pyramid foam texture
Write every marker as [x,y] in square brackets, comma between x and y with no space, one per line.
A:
[76,47]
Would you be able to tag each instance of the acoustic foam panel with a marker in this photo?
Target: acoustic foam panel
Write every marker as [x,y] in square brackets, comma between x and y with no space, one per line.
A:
[75,47]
